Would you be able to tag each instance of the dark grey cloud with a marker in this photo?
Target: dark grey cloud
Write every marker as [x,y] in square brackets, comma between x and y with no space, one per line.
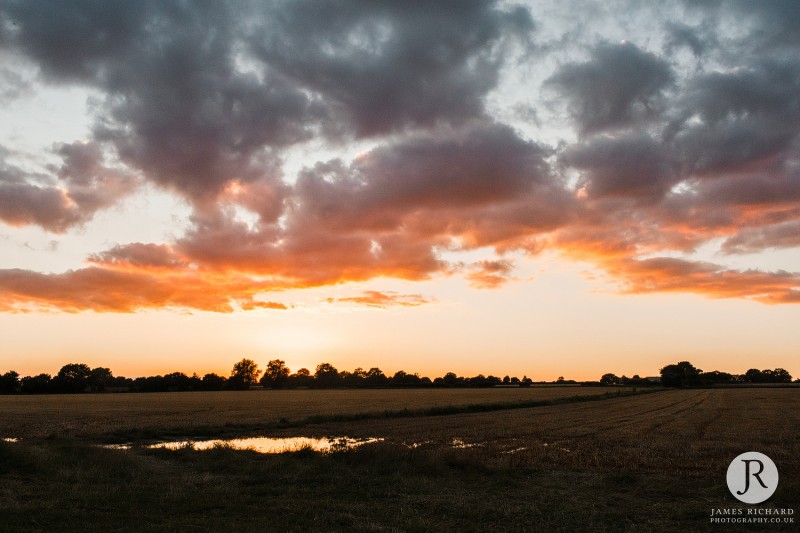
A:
[633,165]
[385,65]
[200,94]
[754,240]
[176,105]
[773,24]
[481,166]
[619,85]
[746,117]
[697,39]
[72,41]
[67,196]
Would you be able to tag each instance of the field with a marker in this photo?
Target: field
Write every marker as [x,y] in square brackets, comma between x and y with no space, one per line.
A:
[81,414]
[651,462]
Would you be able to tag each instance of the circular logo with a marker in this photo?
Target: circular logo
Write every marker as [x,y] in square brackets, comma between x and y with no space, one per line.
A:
[752,477]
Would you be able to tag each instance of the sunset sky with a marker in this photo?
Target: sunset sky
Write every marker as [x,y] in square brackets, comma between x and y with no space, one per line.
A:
[554,188]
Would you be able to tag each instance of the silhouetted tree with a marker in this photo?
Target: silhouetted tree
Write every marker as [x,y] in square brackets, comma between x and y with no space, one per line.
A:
[99,378]
[753,375]
[276,374]
[376,378]
[404,379]
[73,377]
[9,382]
[683,374]
[452,380]
[609,379]
[177,381]
[244,374]
[482,381]
[38,384]
[715,376]
[121,383]
[779,375]
[355,379]
[326,376]
[212,381]
[149,384]
[301,378]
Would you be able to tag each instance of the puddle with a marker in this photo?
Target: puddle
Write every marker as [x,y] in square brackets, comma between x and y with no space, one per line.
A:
[515,450]
[262,444]
[458,443]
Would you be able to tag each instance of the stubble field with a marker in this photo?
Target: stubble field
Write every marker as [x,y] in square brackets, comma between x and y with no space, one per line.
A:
[651,462]
[95,414]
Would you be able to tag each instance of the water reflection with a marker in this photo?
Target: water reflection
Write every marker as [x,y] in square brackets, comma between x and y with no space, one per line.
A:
[264,444]
[459,443]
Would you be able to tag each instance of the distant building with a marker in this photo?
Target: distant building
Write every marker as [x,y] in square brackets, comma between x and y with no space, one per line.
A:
[653,379]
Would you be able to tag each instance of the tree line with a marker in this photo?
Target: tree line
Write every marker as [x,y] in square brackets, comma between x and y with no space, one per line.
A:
[79,378]
[685,374]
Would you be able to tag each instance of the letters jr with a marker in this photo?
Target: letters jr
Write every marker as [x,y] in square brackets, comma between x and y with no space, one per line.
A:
[747,474]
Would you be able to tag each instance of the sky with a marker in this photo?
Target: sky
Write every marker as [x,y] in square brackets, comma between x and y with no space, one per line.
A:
[555,188]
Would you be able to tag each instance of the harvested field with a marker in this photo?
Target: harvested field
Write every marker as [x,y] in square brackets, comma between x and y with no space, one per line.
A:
[93,414]
[653,462]
[687,432]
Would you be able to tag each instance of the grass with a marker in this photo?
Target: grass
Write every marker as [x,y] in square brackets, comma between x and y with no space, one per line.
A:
[64,486]
[639,463]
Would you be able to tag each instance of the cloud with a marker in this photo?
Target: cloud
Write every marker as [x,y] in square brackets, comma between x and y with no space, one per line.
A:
[645,156]
[777,16]
[482,166]
[384,65]
[662,274]
[139,255]
[384,299]
[754,240]
[633,165]
[741,120]
[177,105]
[620,84]
[679,34]
[69,195]
[12,86]
[390,210]
[490,274]
[110,290]
[200,95]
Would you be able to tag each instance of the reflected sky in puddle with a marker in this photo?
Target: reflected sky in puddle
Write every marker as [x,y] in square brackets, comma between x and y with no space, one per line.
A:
[459,443]
[263,444]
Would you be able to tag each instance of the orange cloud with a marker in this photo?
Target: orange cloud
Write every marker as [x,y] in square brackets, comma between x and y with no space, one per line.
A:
[106,290]
[490,274]
[664,274]
[384,299]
